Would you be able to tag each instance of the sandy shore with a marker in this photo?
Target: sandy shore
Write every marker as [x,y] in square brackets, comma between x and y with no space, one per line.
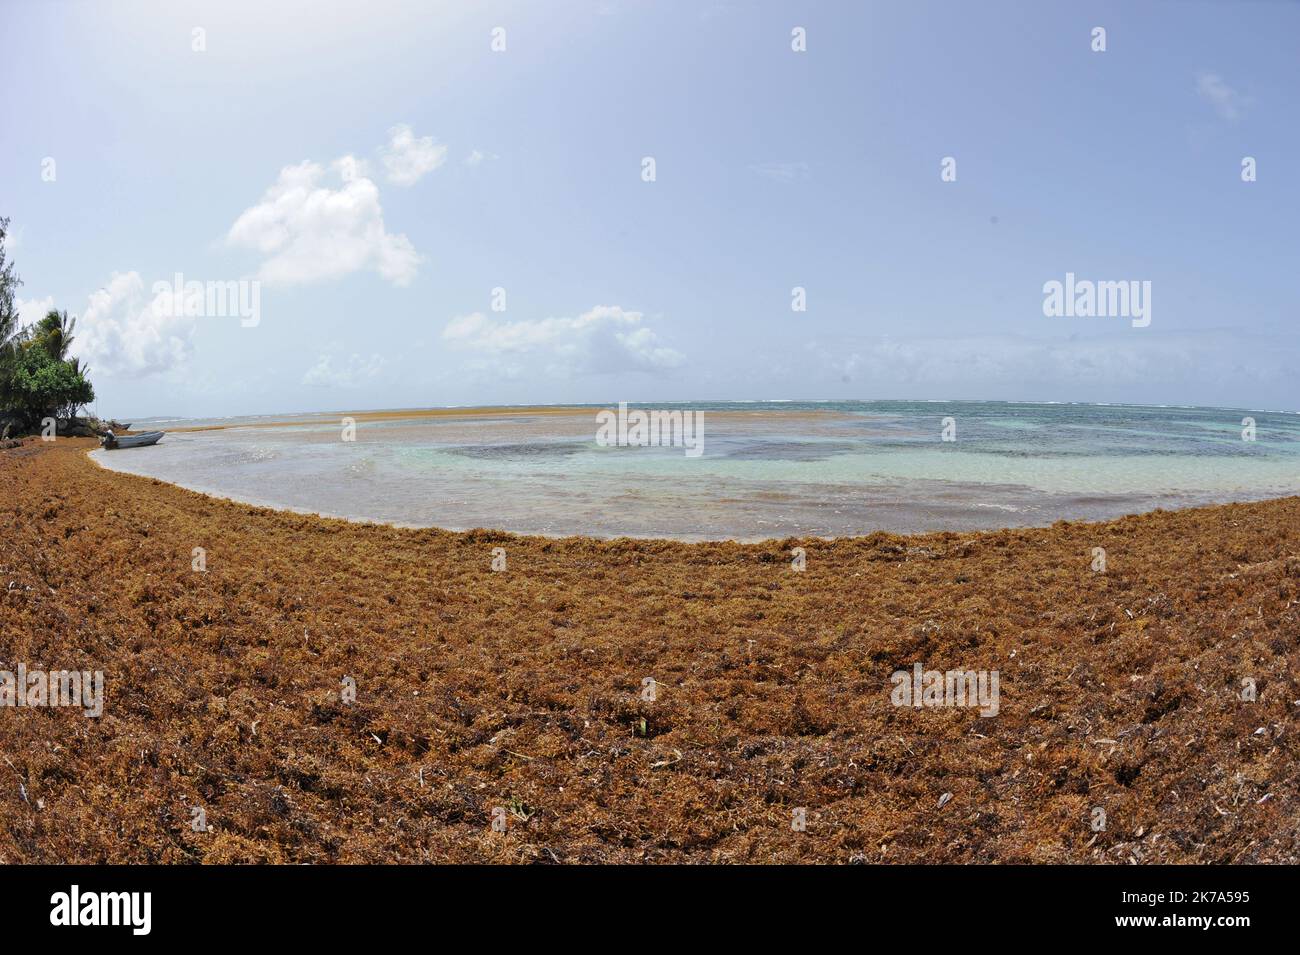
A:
[586,413]
[517,695]
[413,414]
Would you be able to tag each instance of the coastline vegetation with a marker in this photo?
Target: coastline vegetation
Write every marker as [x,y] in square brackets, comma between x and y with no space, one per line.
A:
[39,380]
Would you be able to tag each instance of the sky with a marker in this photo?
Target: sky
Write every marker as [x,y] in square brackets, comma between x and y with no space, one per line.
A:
[437,204]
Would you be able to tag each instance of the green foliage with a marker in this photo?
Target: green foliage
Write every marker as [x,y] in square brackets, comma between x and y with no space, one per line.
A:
[53,333]
[37,379]
[9,282]
[40,385]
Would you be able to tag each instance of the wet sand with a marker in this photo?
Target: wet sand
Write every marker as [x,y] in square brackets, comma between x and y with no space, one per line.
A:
[518,695]
[584,415]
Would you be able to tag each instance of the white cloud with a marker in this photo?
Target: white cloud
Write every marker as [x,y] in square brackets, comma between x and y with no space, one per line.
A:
[1227,102]
[605,339]
[350,167]
[477,157]
[408,159]
[32,310]
[311,232]
[122,333]
[352,374]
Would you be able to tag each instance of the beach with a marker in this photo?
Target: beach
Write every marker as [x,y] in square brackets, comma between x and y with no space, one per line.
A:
[315,690]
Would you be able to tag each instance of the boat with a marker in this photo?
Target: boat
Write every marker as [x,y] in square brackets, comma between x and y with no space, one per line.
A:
[141,440]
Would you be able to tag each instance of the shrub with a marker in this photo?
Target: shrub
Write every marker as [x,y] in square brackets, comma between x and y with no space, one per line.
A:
[41,386]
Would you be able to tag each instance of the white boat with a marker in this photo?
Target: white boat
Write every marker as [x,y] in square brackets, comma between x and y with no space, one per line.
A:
[145,438]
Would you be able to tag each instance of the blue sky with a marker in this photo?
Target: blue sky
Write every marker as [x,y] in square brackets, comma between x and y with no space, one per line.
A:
[472,170]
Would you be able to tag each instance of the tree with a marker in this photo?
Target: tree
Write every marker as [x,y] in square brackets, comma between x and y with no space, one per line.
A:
[54,334]
[41,386]
[37,378]
[9,283]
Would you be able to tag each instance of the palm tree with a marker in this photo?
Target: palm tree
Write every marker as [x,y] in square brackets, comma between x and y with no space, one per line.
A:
[54,333]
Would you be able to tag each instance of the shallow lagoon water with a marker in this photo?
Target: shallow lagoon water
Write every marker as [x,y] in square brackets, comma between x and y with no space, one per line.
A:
[768,469]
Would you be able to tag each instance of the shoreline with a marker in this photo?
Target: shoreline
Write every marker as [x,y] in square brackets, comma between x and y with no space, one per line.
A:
[1138,504]
[523,689]
[279,507]
[469,411]
[768,478]
[308,418]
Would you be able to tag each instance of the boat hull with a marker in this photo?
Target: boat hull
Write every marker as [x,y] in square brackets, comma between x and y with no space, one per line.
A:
[135,440]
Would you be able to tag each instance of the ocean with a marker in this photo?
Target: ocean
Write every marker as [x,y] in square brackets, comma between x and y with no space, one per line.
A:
[767,469]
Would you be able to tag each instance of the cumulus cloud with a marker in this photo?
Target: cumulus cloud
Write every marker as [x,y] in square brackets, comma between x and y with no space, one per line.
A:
[122,332]
[350,167]
[605,339]
[408,159]
[32,310]
[1227,102]
[350,374]
[310,231]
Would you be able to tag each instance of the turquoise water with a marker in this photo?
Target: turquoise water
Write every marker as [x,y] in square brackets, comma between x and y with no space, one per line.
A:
[768,469]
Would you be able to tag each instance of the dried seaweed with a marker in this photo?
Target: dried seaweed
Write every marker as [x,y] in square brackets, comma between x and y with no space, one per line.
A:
[506,717]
